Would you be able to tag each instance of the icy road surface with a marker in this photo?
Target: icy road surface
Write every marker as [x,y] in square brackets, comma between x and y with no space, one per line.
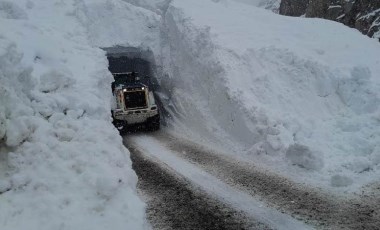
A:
[186,185]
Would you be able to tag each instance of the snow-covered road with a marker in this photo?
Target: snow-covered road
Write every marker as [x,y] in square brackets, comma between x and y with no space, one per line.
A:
[256,196]
[175,203]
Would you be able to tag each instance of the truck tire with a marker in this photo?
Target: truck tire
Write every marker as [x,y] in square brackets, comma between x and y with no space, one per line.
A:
[153,123]
[120,125]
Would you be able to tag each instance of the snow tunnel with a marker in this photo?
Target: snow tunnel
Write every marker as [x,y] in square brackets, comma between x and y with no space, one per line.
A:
[132,59]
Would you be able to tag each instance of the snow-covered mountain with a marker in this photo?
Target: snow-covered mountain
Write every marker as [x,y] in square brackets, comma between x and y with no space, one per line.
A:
[297,96]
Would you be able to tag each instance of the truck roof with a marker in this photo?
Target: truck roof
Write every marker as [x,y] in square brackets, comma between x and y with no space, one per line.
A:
[134,85]
[126,78]
[125,73]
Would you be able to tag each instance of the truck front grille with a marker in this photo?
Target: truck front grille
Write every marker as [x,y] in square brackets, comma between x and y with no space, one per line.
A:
[135,99]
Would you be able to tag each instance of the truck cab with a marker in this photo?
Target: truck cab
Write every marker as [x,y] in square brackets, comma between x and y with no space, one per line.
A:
[135,103]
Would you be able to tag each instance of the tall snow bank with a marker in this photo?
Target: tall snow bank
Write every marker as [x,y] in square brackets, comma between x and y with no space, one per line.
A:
[300,96]
[115,22]
[62,164]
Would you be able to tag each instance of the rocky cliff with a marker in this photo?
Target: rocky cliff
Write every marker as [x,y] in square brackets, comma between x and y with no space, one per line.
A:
[363,15]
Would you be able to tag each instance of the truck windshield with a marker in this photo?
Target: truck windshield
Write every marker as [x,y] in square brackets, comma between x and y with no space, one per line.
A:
[127,78]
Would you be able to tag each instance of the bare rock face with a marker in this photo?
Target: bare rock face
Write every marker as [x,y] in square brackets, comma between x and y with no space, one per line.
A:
[317,8]
[367,14]
[293,7]
[363,15]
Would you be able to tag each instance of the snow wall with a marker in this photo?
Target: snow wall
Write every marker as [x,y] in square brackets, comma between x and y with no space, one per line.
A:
[62,163]
[298,96]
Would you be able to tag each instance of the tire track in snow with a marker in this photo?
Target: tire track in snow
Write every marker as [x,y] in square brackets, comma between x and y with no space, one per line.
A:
[172,203]
[324,211]
[235,199]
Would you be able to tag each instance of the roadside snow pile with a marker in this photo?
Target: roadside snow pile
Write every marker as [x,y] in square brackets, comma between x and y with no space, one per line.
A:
[300,96]
[62,164]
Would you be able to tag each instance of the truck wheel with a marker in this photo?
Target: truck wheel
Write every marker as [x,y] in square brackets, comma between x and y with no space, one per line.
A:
[120,125]
[153,123]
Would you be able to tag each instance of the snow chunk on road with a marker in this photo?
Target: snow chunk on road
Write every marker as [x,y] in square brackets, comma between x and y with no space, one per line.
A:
[340,181]
[302,156]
